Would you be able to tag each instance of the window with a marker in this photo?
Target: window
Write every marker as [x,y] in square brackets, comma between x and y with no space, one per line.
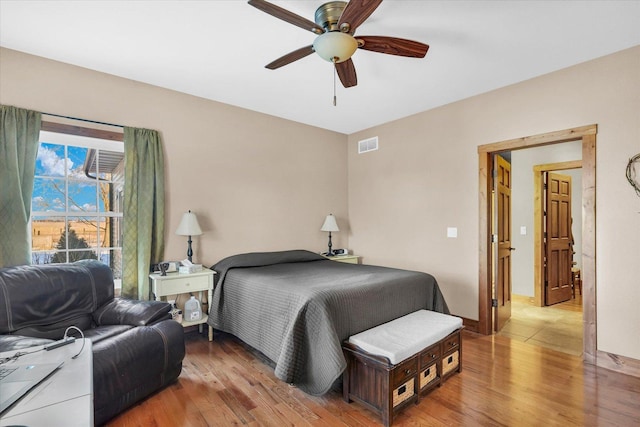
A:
[77,203]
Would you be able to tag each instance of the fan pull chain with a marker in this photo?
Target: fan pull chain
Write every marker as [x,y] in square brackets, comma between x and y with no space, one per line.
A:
[335,71]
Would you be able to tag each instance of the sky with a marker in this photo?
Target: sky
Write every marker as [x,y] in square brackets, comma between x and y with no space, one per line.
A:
[49,189]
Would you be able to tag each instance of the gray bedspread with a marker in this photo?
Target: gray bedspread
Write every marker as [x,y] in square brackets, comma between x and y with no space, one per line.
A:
[296,307]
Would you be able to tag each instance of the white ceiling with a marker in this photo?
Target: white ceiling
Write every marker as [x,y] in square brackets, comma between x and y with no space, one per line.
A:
[218,49]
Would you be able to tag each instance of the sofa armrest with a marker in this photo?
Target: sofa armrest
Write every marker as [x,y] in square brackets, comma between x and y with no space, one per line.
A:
[129,366]
[122,311]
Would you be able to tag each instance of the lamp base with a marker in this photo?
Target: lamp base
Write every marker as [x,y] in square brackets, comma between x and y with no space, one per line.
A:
[330,252]
[189,250]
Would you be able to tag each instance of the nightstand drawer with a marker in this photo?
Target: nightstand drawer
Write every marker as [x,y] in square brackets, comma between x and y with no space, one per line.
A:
[184,284]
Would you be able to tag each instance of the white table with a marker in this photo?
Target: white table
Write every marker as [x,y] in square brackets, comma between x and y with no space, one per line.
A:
[184,283]
[63,399]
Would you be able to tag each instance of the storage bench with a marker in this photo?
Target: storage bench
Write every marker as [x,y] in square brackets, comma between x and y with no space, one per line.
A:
[394,364]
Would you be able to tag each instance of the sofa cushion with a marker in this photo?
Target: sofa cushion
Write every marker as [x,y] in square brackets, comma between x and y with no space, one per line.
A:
[122,311]
[55,331]
[100,333]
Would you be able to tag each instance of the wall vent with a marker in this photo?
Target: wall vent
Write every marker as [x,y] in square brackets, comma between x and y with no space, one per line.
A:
[369,144]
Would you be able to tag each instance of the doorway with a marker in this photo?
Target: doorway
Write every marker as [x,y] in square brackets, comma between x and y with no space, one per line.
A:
[546,199]
[538,219]
[587,136]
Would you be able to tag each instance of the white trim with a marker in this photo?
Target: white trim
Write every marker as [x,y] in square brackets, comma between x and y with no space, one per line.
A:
[81,141]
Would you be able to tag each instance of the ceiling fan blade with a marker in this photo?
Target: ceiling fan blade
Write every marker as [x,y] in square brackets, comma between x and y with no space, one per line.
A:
[290,57]
[393,46]
[347,73]
[287,16]
[356,12]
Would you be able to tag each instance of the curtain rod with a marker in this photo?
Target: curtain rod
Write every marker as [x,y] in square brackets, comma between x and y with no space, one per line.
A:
[83,120]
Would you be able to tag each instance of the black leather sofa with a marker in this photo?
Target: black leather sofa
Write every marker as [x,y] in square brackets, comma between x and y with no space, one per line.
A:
[137,349]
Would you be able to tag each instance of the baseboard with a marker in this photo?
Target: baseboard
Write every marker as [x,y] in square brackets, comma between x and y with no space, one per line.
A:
[614,362]
[470,325]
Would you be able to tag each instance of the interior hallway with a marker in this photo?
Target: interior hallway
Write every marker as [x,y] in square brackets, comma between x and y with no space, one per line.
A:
[558,327]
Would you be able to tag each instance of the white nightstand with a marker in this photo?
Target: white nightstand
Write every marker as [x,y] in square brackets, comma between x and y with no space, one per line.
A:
[349,259]
[180,283]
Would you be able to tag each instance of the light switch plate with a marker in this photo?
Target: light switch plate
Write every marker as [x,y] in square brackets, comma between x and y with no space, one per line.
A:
[523,230]
[452,232]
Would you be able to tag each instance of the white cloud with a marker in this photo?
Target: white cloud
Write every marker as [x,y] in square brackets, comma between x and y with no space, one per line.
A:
[86,207]
[58,204]
[53,164]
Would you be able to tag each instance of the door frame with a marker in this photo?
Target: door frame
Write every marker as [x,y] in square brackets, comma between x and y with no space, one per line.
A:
[587,134]
[538,218]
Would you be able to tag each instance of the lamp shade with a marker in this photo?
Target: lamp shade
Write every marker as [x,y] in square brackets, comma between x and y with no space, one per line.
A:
[335,46]
[189,225]
[330,224]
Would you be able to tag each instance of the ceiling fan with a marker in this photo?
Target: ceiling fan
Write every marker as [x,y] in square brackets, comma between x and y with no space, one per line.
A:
[335,24]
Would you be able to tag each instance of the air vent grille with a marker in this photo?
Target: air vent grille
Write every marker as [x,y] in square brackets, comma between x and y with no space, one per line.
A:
[366,145]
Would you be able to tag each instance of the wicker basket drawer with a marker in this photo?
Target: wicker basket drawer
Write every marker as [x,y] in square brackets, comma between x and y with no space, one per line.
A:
[405,392]
[450,363]
[429,376]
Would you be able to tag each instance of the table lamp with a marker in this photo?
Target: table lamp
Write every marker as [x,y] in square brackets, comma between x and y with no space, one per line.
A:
[330,225]
[189,227]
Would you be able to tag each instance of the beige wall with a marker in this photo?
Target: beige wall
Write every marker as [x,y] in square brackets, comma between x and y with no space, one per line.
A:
[424,178]
[256,182]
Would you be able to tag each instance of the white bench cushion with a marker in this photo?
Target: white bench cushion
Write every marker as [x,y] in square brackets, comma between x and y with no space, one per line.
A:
[407,335]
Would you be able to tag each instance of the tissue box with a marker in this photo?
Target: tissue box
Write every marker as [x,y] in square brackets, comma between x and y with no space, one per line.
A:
[188,269]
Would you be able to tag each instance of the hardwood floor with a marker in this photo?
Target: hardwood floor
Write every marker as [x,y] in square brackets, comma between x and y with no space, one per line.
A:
[503,382]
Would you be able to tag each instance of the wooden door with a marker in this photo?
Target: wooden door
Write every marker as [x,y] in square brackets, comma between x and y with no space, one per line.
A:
[503,265]
[558,238]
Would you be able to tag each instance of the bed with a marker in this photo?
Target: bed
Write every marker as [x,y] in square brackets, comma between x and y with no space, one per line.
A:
[296,307]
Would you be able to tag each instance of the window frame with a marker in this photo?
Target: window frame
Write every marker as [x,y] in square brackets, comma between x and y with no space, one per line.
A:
[71,135]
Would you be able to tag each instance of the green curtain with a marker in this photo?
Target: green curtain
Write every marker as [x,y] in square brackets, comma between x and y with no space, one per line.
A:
[19,135]
[143,243]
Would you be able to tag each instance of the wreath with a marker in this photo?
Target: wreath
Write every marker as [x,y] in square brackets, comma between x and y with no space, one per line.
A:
[633,173]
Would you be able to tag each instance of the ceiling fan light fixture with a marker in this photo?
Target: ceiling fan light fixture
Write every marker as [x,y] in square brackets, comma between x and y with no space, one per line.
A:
[335,46]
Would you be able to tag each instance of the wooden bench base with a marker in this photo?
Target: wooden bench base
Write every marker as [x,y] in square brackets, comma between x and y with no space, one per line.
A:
[387,389]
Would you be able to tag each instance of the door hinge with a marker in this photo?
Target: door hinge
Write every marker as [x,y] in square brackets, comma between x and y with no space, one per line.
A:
[494,302]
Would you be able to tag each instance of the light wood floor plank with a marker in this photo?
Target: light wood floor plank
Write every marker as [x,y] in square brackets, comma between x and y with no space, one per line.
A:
[504,382]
